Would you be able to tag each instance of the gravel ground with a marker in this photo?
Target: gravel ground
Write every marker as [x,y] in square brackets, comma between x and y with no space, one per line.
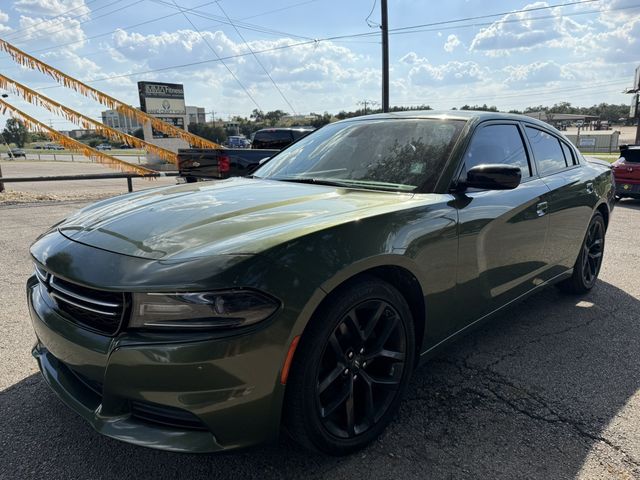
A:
[550,390]
[67,190]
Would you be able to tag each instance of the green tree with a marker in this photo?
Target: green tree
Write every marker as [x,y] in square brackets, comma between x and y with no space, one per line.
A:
[208,131]
[320,120]
[274,116]
[15,132]
[482,108]
[257,115]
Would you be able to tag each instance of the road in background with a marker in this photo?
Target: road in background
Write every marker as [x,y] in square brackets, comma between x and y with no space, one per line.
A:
[549,390]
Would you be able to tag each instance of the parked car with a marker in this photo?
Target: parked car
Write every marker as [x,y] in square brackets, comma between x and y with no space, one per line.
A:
[16,152]
[626,171]
[216,163]
[103,146]
[53,146]
[201,317]
[278,138]
[236,141]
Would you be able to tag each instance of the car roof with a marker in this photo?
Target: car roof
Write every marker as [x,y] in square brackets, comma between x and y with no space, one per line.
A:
[466,115]
[286,129]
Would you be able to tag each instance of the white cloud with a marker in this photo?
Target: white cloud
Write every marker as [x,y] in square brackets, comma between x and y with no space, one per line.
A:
[305,64]
[51,7]
[537,72]
[452,42]
[4,20]
[521,30]
[424,73]
[46,32]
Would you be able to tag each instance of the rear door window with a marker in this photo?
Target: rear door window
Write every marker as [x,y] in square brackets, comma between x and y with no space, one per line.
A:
[568,154]
[546,151]
[498,144]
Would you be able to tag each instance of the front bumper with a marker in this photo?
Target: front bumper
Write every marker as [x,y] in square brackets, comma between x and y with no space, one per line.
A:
[204,395]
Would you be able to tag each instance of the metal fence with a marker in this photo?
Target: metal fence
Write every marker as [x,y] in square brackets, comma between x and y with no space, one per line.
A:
[92,176]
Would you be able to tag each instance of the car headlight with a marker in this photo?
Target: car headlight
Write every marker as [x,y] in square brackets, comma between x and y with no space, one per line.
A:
[205,310]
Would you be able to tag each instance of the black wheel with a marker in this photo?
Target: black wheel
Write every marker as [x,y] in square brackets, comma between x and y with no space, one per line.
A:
[351,369]
[587,266]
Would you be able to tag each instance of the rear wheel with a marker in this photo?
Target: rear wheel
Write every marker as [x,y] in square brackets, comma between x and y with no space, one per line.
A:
[351,369]
[587,266]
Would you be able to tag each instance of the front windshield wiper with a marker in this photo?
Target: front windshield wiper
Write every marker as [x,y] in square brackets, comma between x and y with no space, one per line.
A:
[336,183]
[315,181]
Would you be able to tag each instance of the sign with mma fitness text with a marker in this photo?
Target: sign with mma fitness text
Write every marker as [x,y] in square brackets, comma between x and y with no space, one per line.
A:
[162,98]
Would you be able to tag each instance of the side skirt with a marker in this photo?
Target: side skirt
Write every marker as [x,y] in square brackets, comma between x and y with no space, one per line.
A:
[427,354]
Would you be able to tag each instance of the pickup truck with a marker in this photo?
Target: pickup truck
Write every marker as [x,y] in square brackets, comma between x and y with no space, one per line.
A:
[208,163]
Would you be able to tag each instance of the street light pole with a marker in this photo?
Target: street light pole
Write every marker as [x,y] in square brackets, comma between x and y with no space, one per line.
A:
[385,55]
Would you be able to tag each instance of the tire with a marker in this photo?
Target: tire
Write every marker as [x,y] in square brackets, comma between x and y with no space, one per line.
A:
[351,369]
[589,261]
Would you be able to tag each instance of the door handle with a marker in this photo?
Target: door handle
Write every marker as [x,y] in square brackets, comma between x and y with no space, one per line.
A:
[542,208]
[590,187]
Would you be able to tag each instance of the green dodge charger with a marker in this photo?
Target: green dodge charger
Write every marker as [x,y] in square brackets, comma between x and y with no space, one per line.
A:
[211,316]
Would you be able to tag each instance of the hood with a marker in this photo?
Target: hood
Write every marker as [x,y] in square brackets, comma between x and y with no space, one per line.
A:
[234,216]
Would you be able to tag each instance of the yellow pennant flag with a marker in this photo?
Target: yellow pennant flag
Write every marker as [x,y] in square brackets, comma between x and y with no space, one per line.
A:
[34,125]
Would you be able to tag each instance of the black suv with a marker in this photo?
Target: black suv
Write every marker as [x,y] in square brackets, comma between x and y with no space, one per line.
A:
[278,138]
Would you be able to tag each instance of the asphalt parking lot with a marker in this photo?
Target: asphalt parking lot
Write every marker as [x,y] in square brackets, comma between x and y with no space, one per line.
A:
[550,390]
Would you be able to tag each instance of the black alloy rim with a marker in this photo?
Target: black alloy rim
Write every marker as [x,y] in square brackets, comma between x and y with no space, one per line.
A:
[592,253]
[361,369]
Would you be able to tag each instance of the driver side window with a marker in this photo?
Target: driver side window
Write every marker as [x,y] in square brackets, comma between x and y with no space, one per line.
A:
[498,144]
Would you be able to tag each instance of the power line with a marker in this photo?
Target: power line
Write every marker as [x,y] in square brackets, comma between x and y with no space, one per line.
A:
[204,39]
[336,38]
[92,19]
[304,43]
[99,35]
[530,93]
[58,16]
[372,24]
[259,62]
[192,10]
[500,14]
[239,23]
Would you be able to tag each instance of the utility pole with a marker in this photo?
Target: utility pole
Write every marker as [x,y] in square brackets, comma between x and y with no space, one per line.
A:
[635,106]
[385,55]
[364,104]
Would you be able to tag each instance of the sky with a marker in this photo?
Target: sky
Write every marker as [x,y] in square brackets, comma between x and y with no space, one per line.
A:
[304,56]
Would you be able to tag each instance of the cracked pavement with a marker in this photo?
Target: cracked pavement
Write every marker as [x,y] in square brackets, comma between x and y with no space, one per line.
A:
[548,390]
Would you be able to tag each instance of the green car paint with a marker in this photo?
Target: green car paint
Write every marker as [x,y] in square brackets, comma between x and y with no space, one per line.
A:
[297,243]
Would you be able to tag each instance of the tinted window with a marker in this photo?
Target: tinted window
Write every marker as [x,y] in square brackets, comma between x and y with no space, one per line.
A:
[272,139]
[300,133]
[498,144]
[568,154]
[546,150]
[275,136]
[631,154]
[389,154]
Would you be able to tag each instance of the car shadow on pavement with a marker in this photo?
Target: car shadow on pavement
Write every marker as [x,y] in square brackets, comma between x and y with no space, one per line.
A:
[632,203]
[539,392]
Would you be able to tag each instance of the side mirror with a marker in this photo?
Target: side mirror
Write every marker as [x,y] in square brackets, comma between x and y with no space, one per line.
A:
[493,177]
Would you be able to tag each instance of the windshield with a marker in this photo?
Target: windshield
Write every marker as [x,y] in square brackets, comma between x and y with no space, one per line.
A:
[388,154]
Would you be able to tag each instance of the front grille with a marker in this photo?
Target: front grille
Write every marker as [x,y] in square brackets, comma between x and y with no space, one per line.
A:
[170,416]
[97,310]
